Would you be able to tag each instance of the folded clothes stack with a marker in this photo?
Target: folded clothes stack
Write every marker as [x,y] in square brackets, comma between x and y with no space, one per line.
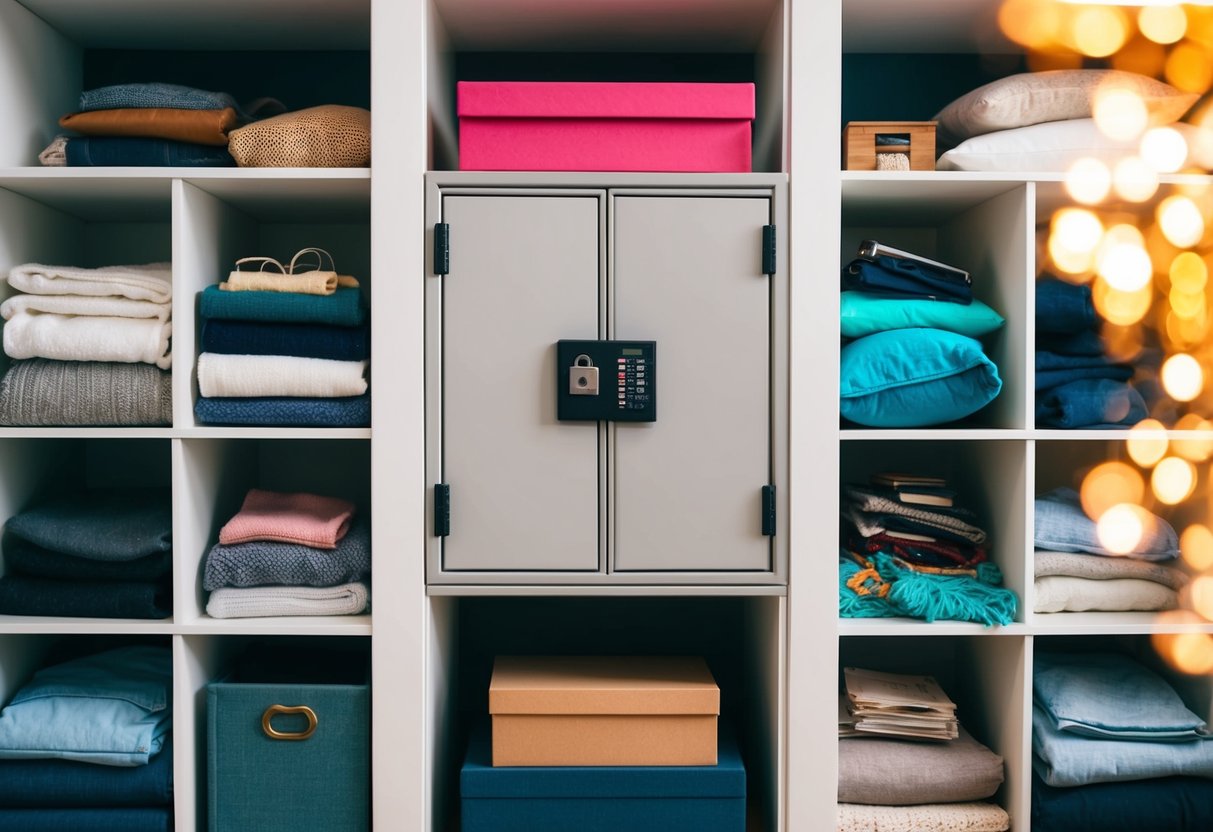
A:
[1077,385]
[95,554]
[92,346]
[1075,572]
[285,348]
[1103,718]
[290,554]
[903,557]
[86,746]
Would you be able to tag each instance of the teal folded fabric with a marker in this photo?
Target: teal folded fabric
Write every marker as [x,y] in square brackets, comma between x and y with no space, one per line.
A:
[342,308]
[864,314]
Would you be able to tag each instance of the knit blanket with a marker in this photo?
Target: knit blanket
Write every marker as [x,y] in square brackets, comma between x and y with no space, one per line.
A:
[1098,568]
[94,306]
[873,513]
[265,601]
[305,519]
[347,412]
[1062,593]
[24,558]
[342,308]
[279,375]
[153,281]
[30,334]
[936,817]
[262,563]
[339,343]
[44,392]
[115,524]
[20,595]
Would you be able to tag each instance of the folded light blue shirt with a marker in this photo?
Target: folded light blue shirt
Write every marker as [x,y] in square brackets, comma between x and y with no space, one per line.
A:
[1062,526]
[111,708]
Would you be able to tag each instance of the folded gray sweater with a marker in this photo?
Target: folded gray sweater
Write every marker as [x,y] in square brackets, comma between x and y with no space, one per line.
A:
[265,563]
[44,392]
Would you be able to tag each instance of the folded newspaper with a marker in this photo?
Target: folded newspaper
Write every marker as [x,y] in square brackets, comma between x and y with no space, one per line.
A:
[896,705]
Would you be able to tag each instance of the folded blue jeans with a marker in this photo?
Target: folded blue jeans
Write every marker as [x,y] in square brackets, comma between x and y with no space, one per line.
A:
[1090,403]
[1086,342]
[34,784]
[158,819]
[1053,369]
[1063,307]
[897,277]
[130,151]
[1161,804]
[1062,526]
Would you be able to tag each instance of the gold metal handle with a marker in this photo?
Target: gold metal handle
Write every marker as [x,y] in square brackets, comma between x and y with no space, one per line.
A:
[274,710]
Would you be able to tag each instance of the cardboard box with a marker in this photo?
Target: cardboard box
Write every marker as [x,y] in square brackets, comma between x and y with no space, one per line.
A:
[603,711]
[592,126]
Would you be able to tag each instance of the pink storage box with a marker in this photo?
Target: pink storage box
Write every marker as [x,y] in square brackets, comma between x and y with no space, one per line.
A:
[539,125]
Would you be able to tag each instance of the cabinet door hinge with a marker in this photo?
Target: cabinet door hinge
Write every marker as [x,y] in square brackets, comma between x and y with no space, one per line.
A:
[442,510]
[768,510]
[768,249]
[442,248]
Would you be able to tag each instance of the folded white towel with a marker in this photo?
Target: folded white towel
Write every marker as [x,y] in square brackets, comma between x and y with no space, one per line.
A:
[262,601]
[85,338]
[153,281]
[1061,593]
[97,307]
[279,375]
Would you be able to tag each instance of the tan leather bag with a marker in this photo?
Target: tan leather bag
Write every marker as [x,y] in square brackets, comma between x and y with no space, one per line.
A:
[208,127]
[329,136]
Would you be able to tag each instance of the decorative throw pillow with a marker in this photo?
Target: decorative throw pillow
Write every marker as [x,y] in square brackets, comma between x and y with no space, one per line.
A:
[907,378]
[1057,95]
[329,136]
[865,314]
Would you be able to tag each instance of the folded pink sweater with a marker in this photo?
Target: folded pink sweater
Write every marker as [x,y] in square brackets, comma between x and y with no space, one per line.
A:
[306,519]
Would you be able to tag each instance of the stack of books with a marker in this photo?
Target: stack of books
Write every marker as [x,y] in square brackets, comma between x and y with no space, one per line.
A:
[896,705]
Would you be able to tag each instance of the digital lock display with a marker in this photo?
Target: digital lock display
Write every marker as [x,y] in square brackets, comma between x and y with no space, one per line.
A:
[613,381]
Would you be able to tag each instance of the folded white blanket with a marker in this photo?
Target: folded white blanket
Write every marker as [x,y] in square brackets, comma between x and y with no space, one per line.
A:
[1062,593]
[85,338]
[98,307]
[262,601]
[933,817]
[153,281]
[279,375]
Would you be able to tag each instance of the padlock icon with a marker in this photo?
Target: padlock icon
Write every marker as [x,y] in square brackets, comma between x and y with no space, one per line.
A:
[583,377]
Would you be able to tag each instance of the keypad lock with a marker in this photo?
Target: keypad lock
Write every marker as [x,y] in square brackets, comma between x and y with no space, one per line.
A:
[583,377]
[611,381]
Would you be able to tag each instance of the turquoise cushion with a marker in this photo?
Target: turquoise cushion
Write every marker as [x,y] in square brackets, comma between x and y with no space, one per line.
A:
[864,314]
[907,378]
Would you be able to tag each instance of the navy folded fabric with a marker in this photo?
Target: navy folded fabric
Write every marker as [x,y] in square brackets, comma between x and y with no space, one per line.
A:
[342,308]
[24,558]
[1063,307]
[346,412]
[898,277]
[1090,403]
[103,524]
[339,343]
[1087,342]
[84,599]
[34,784]
[129,151]
[1053,370]
[87,820]
[1163,804]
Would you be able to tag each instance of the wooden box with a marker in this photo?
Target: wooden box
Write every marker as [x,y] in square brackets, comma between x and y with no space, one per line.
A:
[860,148]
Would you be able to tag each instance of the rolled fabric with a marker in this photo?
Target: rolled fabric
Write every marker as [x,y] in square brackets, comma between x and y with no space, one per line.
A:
[99,307]
[208,127]
[264,563]
[122,819]
[115,524]
[34,784]
[306,519]
[94,393]
[338,343]
[24,558]
[257,602]
[936,817]
[1099,568]
[125,151]
[345,412]
[153,281]
[342,308]
[85,338]
[20,595]
[240,376]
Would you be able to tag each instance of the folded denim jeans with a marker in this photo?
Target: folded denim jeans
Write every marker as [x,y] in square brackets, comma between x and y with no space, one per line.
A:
[1063,307]
[1090,403]
[151,819]
[34,784]
[1162,804]
[124,151]
[1086,342]
[898,277]
[1054,369]
[1062,526]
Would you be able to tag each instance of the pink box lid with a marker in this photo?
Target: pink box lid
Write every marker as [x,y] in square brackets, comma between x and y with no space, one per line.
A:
[596,99]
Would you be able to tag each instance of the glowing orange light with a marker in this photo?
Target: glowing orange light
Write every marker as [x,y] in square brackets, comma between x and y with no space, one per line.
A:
[1088,181]
[1121,308]
[1194,448]
[1109,484]
[1189,273]
[1162,24]
[1120,113]
[1196,546]
[1182,377]
[1147,442]
[1121,528]
[1165,149]
[1189,67]
[1173,480]
[1098,31]
[1181,221]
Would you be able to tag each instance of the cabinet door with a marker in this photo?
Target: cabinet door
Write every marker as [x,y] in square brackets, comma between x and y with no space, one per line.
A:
[524,488]
[687,489]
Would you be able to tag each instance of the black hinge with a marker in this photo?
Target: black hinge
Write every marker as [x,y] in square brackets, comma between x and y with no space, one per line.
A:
[442,248]
[442,510]
[768,249]
[768,510]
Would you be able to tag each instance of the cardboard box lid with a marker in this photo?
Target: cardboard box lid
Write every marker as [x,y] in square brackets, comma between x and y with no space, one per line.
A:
[595,99]
[478,778]
[602,685]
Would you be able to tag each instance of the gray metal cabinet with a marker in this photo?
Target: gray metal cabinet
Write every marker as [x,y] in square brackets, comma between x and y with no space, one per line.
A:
[520,262]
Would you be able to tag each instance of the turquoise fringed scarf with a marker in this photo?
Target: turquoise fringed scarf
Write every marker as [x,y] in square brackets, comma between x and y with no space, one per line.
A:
[883,588]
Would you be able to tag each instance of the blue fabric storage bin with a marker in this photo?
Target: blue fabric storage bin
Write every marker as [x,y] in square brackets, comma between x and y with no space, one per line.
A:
[260,784]
[602,798]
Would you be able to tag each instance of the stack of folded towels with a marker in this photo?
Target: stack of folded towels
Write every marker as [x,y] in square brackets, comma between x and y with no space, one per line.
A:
[86,745]
[284,349]
[1076,573]
[902,783]
[150,124]
[1115,749]
[93,346]
[1077,385]
[902,557]
[916,359]
[95,554]
[290,554]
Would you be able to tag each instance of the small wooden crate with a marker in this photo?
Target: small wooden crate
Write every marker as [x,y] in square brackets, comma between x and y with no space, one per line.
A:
[859,148]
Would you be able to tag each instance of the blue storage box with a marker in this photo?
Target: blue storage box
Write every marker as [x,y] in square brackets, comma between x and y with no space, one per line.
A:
[273,767]
[602,798]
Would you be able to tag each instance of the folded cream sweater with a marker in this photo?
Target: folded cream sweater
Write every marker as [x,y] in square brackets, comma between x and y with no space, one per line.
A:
[29,334]
[153,281]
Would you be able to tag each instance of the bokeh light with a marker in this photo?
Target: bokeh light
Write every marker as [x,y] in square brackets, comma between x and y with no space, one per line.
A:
[1121,308]
[1189,273]
[1032,23]
[1119,113]
[1182,377]
[1196,547]
[1147,442]
[1088,181]
[1200,592]
[1073,239]
[1162,24]
[1122,259]
[1164,149]
[1109,484]
[1173,480]
[1194,448]
[1098,31]
[1134,179]
[1181,221]
[1189,67]
[1192,653]
[1121,528]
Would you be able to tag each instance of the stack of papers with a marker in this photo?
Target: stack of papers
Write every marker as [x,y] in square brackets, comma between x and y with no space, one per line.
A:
[896,705]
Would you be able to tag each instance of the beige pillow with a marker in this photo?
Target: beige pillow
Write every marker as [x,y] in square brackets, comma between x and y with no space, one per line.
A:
[1057,95]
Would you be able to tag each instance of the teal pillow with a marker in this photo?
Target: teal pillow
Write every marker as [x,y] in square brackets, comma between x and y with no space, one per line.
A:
[907,378]
[864,314]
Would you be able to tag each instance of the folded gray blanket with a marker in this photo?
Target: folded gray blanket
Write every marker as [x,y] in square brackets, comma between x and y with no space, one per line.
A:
[44,392]
[894,772]
[264,563]
[1100,568]
[116,524]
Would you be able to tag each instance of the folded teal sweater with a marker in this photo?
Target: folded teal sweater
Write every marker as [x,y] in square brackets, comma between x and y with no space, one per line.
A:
[342,308]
